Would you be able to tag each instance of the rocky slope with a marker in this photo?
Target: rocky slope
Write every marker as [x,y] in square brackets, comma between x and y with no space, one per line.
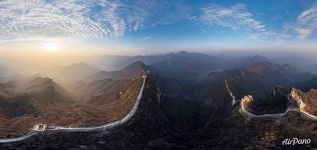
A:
[196,112]
[309,100]
[276,103]
[157,126]
[41,100]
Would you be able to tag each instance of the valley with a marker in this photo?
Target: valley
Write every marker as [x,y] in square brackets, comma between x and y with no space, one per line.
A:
[40,100]
[158,75]
[260,98]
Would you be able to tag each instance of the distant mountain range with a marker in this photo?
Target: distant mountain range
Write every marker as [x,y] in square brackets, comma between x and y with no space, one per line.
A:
[311,68]
[128,72]
[5,72]
[307,84]
[75,72]
[109,62]
[36,99]
[185,95]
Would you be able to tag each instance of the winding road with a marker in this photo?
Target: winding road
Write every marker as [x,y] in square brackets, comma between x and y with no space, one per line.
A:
[22,138]
[83,129]
[244,112]
[230,93]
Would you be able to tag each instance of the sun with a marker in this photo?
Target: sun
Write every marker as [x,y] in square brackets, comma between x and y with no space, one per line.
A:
[51,47]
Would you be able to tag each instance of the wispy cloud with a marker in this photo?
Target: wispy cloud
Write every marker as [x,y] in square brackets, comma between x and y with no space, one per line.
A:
[235,18]
[238,18]
[23,19]
[147,38]
[306,22]
[71,18]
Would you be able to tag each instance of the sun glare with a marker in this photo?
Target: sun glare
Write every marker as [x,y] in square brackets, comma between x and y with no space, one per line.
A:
[51,47]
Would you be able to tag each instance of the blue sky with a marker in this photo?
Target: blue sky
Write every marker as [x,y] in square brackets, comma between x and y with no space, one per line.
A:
[151,26]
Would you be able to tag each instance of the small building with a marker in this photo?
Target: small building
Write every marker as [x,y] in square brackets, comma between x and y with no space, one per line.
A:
[39,127]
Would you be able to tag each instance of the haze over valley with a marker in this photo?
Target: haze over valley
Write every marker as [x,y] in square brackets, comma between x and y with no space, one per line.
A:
[158,74]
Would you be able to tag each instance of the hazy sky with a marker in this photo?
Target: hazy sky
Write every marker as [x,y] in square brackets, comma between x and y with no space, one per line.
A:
[154,26]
